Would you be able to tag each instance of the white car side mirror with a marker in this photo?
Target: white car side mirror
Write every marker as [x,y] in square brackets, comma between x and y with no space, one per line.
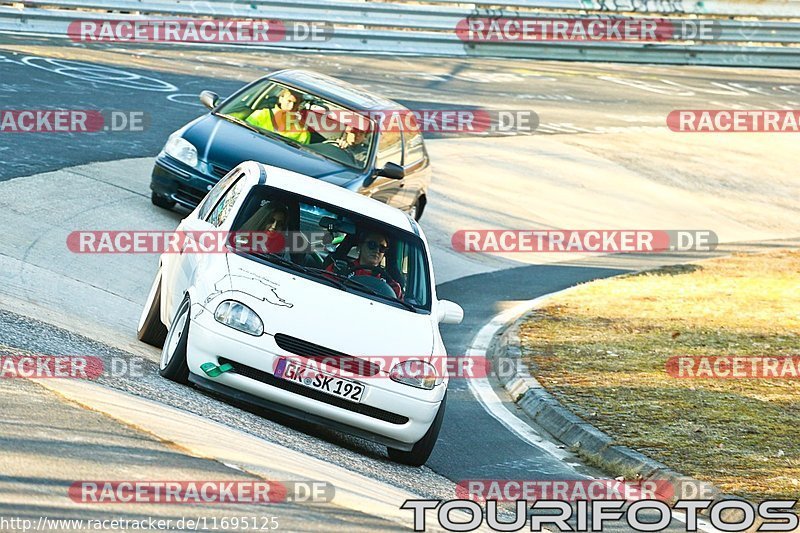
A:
[450,312]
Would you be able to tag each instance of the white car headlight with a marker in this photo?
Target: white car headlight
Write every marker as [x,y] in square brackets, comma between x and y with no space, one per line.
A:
[182,150]
[415,373]
[236,315]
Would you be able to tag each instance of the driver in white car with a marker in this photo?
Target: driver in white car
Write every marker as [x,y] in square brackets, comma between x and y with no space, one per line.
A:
[372,247]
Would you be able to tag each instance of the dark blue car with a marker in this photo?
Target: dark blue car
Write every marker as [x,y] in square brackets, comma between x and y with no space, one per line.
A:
[302,121]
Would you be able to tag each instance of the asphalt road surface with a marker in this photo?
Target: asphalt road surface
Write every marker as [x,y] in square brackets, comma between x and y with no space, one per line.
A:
[163,82]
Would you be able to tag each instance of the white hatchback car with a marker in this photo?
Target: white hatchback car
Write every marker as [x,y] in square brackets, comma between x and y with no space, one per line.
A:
[353,284]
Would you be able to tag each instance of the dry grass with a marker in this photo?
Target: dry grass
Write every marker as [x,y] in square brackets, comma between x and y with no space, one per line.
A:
[602,348]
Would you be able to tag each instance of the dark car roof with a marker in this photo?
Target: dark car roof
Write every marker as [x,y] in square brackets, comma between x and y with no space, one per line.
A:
[338,91]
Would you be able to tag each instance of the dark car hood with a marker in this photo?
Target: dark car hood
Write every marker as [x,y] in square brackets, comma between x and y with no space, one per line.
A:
[225,144]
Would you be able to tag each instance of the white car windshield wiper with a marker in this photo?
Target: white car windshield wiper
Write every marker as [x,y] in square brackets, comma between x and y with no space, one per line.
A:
[365,288]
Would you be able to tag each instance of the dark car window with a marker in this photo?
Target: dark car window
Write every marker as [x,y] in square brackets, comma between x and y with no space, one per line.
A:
[315,124]
[413,146]
[390,149]
[219,189]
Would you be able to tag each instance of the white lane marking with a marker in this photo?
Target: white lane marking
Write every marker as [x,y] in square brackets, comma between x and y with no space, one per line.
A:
[189,99]
[483,391]
[95,73]
[492,404]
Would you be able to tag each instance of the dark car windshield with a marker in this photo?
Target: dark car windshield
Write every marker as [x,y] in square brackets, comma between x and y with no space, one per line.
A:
[305,121]
[333,246]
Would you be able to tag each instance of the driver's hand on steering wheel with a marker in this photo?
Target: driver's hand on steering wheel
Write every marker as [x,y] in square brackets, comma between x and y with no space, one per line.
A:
[380,272]
[341,266]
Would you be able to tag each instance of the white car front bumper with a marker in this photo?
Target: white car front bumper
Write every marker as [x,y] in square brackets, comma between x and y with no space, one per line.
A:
[391,413]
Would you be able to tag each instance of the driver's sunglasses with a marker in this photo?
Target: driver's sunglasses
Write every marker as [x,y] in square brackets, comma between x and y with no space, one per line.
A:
[374,245]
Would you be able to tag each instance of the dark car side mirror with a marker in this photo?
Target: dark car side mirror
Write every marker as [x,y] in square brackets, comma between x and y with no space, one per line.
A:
[392,171]
[209,99]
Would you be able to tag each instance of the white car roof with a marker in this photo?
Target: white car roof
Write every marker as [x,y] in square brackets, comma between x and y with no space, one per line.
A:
[326,192]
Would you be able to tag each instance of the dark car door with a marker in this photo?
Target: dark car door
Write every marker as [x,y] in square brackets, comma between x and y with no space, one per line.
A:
[387,190]
[415,164]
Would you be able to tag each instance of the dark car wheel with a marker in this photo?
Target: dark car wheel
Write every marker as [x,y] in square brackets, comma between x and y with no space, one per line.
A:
[162,201]
[416,210]
[423,448]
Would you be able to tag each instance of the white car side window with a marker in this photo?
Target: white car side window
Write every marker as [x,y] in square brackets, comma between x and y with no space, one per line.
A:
[214,194]
[225,206]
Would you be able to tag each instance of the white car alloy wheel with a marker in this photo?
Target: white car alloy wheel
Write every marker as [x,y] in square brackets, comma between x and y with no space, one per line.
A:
[174,336]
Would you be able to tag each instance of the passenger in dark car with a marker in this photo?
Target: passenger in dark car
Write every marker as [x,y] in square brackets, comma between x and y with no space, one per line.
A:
[284,118]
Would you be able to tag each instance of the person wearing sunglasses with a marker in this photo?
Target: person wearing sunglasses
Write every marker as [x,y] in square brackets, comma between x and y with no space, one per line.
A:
[372,248]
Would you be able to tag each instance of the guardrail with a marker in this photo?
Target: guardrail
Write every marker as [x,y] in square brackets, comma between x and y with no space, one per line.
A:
[746,8]
[429,29]
[741,8]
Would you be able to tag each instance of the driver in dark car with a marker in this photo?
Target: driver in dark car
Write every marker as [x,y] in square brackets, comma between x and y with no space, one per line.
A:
[354,141]
[372,247]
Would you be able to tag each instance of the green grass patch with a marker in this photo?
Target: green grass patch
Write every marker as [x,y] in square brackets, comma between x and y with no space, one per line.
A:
[602,351]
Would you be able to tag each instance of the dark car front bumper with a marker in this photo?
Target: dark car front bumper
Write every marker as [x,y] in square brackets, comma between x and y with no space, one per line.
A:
[185,185]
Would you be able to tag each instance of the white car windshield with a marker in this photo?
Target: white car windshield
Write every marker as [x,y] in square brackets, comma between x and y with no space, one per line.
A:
[303,120]
[333,246]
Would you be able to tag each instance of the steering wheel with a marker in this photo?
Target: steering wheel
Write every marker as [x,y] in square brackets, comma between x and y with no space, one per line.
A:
[314,102]
[345,268]
[378,285]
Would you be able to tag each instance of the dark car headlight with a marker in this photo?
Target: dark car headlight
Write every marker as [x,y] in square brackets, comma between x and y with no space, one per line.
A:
[181,149]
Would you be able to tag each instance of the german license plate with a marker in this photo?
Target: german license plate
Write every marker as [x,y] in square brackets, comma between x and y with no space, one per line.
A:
[314,379]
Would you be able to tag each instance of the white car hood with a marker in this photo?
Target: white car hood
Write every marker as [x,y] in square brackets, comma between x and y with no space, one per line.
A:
[330,317]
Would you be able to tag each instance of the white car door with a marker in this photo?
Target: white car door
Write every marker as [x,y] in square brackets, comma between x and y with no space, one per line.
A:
[185,263]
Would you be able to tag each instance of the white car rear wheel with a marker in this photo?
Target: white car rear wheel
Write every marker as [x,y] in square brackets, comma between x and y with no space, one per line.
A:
[150,329]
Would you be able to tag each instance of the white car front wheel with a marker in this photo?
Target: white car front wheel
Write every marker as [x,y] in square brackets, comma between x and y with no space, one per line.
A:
[421,451]
[173,356]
